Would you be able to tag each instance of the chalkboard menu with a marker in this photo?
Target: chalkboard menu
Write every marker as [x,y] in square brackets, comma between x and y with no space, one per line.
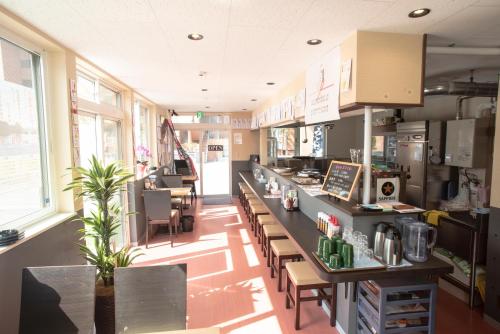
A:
[341,179]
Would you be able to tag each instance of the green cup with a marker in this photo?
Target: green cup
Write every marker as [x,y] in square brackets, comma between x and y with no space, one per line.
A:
[327,250]
[321,244]
[338,246]
[348,255]
[335,261]
[334,240]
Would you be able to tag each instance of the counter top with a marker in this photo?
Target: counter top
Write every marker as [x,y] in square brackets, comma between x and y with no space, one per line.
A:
[350,208]
[303,233]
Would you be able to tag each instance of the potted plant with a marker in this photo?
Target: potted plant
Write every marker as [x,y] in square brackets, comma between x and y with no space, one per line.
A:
[102,185]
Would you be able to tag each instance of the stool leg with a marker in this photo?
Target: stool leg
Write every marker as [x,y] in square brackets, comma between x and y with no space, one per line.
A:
[287,301]
[268,249]
[333,306]
[297,307]
[320,301]
[259,232]
[280,267]
[272,262]
[262,248]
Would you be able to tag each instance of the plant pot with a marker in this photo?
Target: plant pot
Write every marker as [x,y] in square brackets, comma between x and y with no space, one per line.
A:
[104,308]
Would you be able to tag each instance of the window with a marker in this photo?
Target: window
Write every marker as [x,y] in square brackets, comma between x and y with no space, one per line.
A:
[205,119]
[92,89]
[285,141]
[24,182]
[141,133]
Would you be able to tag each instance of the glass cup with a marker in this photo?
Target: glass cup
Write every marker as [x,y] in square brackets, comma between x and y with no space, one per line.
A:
[335,261]
[348,255]
[327,249]
[321,244]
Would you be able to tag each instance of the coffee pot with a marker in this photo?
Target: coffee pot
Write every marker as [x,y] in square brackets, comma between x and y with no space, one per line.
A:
[393,247]
[418,243]
[378,242]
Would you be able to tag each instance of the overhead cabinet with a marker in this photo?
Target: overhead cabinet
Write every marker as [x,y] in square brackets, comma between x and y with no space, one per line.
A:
[382,69]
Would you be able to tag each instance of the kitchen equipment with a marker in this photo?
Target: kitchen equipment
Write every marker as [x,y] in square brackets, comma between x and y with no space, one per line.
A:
[468,143]
[400,222]
[393,247]
[418,242]
[378,243]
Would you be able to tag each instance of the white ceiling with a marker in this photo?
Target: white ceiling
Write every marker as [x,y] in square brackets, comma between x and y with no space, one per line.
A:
[247,42]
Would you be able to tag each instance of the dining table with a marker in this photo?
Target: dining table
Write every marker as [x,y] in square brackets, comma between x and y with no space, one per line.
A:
[182,192]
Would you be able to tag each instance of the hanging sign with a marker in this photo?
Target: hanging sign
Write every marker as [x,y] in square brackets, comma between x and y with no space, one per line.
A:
[388,189]
[200,114]
[322,89]
[212,148]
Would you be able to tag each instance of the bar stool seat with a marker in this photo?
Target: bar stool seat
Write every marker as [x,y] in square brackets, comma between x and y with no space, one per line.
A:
[282,250]
[255,211]
[261,221]
[271,232]
[303,277]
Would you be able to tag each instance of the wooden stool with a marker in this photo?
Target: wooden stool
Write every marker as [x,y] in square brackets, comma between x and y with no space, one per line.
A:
[271,232]
[243,191]
[303,277]
[246,198]
[251,201]
[261,221]
[282,250]
[256,211]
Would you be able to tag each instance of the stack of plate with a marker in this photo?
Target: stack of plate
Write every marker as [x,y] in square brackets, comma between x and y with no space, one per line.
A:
[8,237]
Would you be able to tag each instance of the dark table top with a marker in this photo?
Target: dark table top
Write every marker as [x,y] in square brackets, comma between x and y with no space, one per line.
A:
[303,233]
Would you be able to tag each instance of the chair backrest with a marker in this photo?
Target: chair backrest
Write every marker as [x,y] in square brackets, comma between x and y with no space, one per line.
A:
[172,180]
[180,163]
[150,299]
[58,299]
[157,204]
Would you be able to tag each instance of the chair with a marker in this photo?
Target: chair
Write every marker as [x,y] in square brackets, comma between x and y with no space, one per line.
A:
[150,299]
[303,277]
[158,205]
[58,299]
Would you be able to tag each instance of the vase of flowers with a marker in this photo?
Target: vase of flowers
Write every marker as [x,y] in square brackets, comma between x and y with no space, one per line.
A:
[143,153]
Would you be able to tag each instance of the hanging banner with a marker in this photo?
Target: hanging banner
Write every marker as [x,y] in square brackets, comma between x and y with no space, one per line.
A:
[322,89]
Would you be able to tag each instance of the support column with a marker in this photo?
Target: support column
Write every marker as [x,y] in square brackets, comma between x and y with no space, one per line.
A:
[367,156]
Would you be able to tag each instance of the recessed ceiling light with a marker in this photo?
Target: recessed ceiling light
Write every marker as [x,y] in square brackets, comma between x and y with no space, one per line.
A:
[269,83]
[207,107]
[195,37]
[419,12]
[314,41]
[244,109]
[204,89]
[253,100]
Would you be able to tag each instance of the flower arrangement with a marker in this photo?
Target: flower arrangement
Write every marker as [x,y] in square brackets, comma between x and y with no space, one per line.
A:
[143,152]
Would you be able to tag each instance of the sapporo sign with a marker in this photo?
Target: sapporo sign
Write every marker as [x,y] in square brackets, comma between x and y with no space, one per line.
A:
[388,189]
[212,148]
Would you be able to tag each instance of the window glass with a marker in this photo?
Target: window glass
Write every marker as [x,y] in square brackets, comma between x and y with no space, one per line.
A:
[285,141]
[85,88]
[142,150]
[109,96]
[24,175]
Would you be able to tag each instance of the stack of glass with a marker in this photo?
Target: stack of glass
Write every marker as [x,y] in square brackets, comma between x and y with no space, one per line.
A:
[362,254]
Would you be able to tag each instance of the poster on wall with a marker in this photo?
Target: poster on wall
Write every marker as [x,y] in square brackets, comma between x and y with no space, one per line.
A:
[322,89]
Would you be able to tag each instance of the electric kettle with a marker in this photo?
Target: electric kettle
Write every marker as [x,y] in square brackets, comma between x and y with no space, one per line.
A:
[378,242]
[418,242]
[393,247]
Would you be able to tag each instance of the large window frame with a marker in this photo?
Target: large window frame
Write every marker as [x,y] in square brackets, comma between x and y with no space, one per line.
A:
[39,73]
[139,106]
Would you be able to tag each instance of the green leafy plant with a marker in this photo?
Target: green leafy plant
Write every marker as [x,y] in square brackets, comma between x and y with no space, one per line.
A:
[101,185]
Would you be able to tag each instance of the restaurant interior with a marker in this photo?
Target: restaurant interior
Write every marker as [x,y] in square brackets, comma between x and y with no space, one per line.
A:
[234,166]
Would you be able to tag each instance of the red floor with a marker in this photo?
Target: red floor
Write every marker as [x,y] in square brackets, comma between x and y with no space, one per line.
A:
[229,285]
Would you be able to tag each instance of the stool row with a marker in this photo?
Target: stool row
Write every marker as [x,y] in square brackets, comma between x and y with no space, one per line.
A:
[281,254]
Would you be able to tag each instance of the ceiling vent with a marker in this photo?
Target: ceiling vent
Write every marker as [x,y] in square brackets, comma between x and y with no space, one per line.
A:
[464,88]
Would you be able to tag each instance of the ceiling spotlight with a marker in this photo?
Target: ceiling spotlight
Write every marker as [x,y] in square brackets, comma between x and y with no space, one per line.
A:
[314,41]
[207,107]
[419,12]
[244,109]
[269,83]
[195,37]
[253,100]
[204,89]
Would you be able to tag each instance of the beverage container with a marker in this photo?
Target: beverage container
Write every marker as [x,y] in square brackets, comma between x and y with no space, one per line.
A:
[327,249]
[321,244]
[335,261]
[393,247]
[378,243]
[348,255]
[419,240]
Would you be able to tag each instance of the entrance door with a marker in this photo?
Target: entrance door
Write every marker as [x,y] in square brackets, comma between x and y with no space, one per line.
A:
[215,162]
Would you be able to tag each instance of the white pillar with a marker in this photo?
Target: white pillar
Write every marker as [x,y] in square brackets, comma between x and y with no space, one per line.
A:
[367,156]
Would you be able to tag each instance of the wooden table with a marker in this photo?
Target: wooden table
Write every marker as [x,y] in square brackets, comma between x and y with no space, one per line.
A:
[210,330]
[189,177]
[178,192]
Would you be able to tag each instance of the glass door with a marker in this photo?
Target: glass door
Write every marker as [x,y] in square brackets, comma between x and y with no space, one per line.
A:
[215,163]
[190,141]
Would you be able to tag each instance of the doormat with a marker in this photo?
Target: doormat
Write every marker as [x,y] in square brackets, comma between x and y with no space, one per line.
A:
[217,200]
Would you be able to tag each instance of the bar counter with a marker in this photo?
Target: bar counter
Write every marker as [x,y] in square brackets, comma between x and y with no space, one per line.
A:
[301,230]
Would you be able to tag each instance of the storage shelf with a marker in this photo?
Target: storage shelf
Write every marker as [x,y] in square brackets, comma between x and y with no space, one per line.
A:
[407,329]
[408,315]
[409,301]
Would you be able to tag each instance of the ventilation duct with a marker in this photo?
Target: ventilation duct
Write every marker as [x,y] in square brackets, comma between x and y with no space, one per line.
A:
[463,88]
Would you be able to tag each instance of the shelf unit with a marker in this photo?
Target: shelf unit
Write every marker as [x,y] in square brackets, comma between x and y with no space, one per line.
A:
[378,304]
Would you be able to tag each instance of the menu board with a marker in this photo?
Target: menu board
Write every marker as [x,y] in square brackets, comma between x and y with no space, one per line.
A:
[341,179]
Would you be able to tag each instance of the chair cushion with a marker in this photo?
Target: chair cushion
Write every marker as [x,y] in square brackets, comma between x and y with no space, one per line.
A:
[258,209]
[176,200]
[274,230]
[283,247]
[266,220]
[301,273]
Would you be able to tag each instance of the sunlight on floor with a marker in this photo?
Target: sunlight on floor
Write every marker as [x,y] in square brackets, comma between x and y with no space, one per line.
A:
[251,256]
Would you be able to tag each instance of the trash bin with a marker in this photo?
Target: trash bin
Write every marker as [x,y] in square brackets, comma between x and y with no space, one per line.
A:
[187,223]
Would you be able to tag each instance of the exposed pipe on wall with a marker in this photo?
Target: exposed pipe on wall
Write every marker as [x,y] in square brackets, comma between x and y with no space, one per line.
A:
[451,50]
[367,156]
